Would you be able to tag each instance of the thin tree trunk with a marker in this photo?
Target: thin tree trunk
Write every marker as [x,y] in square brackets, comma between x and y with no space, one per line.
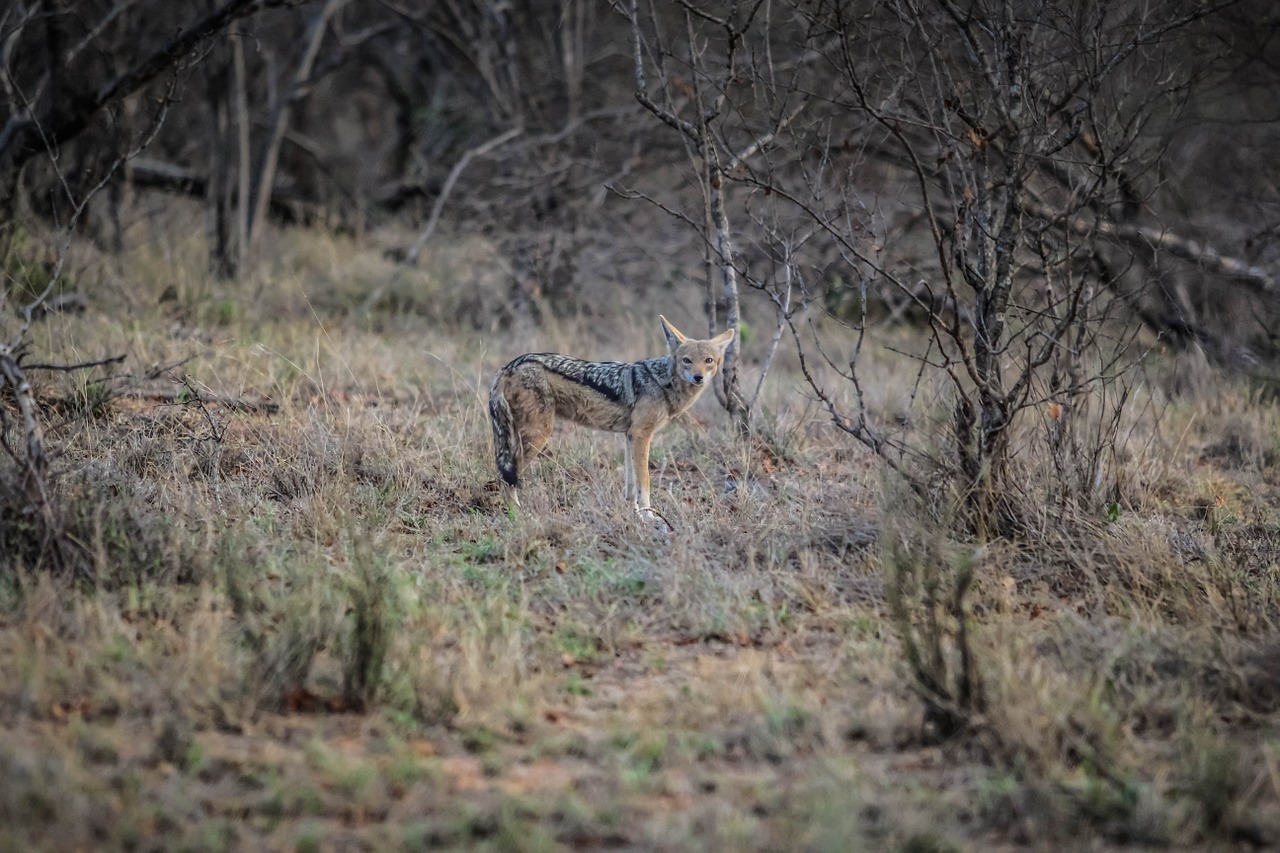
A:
[244,156]
[264,173]
[729,380]
[217,189]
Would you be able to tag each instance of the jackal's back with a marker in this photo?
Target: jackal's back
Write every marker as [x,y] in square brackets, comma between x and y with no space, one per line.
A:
[598,394]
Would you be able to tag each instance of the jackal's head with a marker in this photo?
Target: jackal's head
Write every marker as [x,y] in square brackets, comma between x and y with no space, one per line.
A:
[695,362]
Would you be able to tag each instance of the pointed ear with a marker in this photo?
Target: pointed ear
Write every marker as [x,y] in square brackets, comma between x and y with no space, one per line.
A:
[674,338]
[723,340]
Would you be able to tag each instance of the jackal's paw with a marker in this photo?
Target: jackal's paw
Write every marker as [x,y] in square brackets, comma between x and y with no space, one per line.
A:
[652,516]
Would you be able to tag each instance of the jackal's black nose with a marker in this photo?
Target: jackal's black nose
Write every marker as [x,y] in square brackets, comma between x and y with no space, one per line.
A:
[697,378]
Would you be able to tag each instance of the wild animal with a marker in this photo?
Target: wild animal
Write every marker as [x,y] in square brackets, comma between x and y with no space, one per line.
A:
[633,398]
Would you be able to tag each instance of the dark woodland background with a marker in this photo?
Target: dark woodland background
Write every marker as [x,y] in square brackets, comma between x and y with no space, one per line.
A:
[1153,134]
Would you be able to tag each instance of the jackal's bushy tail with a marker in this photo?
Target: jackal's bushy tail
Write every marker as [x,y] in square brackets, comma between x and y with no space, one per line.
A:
[506,444]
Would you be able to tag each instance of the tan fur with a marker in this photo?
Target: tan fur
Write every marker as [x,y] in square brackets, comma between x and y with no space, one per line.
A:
[634,398]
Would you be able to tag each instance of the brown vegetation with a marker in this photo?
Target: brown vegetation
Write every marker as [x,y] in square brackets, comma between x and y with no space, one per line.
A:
[985,555]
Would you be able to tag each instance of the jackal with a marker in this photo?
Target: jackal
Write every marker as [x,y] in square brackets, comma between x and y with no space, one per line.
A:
[634,398]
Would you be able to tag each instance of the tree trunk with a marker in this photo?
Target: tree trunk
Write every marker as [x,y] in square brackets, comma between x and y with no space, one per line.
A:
[729,378]
[219,197]
[264,168]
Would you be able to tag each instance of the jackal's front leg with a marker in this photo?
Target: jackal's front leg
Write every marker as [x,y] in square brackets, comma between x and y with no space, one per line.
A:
[638,474]
[640,468]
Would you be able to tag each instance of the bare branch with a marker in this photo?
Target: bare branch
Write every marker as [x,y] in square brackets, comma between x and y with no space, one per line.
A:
[411,256]
[83,365]
[1259,280]
[642,95]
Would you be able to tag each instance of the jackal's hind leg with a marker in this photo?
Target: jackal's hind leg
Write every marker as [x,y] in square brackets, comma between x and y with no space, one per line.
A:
[535,441]
[534,418]
[628,472]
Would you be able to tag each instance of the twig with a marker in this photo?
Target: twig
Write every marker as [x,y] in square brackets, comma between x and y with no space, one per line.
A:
[238,404]
[757,145]
[84,365]
[197,399]
[411,256]
[164,369]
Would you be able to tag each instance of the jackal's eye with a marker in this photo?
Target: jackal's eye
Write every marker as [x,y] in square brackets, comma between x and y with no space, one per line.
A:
[688,360]
[708,361]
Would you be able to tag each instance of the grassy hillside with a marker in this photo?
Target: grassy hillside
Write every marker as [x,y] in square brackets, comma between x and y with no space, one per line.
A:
[295,613]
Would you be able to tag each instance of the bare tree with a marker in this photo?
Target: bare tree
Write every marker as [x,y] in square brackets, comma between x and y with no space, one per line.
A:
[974,164]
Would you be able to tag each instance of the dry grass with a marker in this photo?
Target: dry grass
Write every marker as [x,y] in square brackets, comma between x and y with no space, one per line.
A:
[316,627]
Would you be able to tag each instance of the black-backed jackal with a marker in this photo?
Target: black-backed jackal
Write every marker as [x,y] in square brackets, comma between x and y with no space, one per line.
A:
[634,398]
